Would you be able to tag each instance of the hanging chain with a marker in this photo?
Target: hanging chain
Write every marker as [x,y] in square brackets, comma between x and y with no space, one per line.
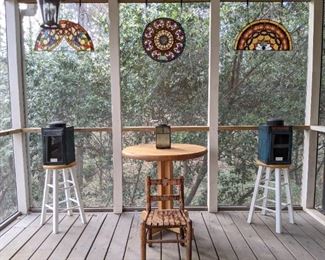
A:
[247,12]
[79,11]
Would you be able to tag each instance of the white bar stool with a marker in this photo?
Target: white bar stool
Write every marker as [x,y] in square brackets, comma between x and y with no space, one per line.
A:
[67,184]
[267,169]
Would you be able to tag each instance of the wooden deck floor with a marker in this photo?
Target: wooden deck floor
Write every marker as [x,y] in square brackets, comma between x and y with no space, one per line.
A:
[224,235]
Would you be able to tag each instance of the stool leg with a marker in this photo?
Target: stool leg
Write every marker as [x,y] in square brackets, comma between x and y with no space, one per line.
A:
[277,200]
[55,203]
[257,183]
[77,192]
[288,195]
[45,196]
[266,190]
[67,192]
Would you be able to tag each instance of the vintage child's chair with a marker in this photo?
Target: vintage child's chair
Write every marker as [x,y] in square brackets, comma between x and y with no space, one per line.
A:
[166,219]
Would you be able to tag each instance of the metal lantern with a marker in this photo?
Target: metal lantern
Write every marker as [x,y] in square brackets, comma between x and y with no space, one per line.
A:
[58,144]
[50,13]
[163,137]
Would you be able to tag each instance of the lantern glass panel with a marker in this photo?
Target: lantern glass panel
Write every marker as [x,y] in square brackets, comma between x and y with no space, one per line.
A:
[163,138]
[55,148]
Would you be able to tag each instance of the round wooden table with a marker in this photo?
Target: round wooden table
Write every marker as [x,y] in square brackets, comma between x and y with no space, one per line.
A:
[164,159]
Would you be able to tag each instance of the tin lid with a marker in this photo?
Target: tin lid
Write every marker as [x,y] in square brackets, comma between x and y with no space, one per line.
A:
[163,129]
[55,124]
[275,122]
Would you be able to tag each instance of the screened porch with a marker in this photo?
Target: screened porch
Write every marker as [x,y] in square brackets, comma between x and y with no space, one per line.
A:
[211,94]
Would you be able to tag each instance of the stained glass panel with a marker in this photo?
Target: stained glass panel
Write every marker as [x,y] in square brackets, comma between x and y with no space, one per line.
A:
[264,34]
[163,39]
[75,35]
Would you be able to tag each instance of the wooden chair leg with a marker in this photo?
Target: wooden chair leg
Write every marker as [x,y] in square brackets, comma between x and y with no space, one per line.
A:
[182,235]
[143,241]
[189,235]
[150,236]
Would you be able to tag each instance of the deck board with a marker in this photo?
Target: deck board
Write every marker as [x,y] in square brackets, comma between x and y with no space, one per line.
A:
[81,249]
[104,237]
[239,244]
[13,223]
[310,230]
[204,243]
[224,235]
[252,238]
[121,235]
[313,222]
[16,230]
[66,245]
[34,242]
[305,240]
[272,242]
[133,246]
[219,238]
[171,250]
[19,241]
[287,239]
[49,245]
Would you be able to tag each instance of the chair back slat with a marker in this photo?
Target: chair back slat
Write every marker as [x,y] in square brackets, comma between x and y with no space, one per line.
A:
[165,182]
[170,197]
[164,197]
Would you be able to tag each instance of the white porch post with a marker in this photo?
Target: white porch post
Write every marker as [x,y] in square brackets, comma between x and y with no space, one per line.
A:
[312,102]
[17,101]
[213,106]
[114,44]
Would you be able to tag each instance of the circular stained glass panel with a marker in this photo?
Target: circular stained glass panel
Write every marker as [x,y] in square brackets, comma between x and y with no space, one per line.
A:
[163,39]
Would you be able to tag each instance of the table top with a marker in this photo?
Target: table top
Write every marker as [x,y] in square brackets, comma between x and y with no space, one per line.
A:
[177,152]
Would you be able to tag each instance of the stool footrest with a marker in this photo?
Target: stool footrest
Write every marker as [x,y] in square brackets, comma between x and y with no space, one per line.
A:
[266,187]
[260,199]
[69,187]
[268,209]
[65,209]
[49,207]
[70,208]
[282,203]
[62,187]
[73,200]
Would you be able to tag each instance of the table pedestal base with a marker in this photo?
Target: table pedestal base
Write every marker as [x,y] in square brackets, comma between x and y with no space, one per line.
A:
[165,171]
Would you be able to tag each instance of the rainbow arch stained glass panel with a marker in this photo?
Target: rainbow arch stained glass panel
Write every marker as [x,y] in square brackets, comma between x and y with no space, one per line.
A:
[264,34]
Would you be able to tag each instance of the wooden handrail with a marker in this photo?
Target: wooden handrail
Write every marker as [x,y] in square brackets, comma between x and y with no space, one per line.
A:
[10,131]
[155,1]
[222,128]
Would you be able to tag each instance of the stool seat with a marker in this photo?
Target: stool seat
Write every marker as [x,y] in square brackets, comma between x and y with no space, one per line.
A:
[265,184]
[54,172]
[58,166]
[272,166]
